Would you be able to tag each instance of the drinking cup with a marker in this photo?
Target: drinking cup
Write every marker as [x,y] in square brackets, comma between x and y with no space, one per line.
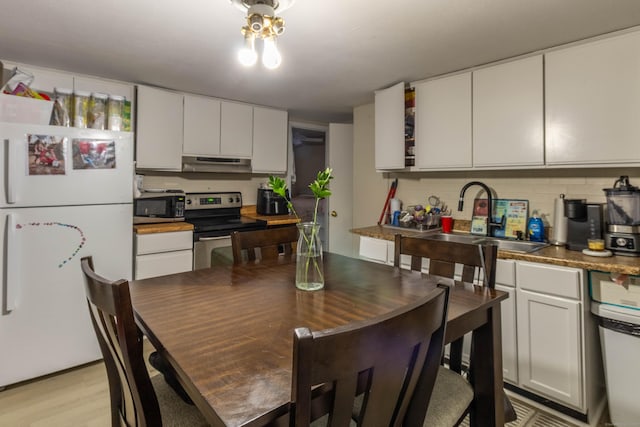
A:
[447,224]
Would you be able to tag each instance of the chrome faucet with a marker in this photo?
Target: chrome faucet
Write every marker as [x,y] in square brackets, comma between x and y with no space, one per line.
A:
[490,223]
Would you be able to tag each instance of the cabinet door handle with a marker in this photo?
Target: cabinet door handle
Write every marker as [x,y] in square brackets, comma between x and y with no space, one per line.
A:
[334,214]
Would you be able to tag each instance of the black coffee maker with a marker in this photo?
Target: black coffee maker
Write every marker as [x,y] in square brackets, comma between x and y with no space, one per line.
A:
[584,221]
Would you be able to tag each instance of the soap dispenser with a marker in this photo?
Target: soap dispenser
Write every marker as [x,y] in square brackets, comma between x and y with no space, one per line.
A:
[535,228]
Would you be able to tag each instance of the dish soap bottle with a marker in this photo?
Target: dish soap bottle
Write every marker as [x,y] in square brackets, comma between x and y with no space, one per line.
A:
[535,228]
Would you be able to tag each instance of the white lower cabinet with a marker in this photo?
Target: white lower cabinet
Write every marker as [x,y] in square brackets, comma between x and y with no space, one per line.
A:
[158,254]
[558,348]
[550,346]
[375,250]
[383,252]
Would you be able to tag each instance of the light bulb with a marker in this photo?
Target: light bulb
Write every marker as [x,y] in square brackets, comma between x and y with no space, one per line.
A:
[256,23]
[270,56]
[278,26]
[248,55]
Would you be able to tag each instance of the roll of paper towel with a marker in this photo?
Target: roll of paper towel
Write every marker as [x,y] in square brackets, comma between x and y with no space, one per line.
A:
[395,205]
[559,232]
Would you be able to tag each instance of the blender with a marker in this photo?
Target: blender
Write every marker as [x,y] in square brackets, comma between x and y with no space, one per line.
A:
[623,212]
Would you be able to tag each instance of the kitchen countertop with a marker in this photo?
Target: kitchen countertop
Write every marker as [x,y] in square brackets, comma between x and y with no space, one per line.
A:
[556,255]
[250,212]
[162,227]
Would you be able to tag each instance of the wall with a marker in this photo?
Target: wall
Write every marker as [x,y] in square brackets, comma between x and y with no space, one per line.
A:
[539,186]
[369,186]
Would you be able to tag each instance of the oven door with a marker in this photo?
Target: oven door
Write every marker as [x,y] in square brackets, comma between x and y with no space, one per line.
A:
[212,252]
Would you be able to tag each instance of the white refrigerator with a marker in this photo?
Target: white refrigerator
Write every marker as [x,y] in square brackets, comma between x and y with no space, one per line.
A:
[65,193]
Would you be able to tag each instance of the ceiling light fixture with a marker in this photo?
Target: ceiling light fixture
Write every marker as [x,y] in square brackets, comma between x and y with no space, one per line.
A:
[262,23]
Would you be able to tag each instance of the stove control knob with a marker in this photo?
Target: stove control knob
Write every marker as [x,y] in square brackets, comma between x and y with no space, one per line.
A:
[188,201]
[230,199]
[237,199]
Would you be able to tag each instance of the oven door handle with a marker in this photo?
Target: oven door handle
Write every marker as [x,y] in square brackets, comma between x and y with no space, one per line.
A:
[205,239]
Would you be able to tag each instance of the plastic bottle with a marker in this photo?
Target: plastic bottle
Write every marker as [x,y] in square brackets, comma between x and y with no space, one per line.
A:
[535,228]
[114,111]
[63,107]
[96,117]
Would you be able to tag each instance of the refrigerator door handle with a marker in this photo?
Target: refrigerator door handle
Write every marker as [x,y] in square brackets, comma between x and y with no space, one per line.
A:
[11,289]
[10,167]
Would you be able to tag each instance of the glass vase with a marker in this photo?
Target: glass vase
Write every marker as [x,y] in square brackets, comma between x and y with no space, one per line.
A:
[309,269]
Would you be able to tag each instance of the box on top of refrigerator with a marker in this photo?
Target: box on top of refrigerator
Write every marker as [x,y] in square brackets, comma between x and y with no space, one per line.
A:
[20,109]
[615,289]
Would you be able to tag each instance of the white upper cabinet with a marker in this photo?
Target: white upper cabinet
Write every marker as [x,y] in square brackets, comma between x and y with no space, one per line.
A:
[201,126]
[236,129]
[592,102]
[508,114]
[159,129]
[389,128]
[443,123]
[269,140]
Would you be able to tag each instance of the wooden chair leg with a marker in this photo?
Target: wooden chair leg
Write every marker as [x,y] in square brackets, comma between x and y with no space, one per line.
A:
[509,411]
[455,356]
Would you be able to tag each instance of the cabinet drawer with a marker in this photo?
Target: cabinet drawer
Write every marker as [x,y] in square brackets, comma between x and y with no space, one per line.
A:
[163,242]
[159,264]
[551,280]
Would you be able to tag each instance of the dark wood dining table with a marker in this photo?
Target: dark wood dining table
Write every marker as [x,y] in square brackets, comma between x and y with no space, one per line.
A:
[227,332]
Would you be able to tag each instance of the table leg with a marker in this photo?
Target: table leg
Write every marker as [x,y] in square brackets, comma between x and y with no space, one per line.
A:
[488,406]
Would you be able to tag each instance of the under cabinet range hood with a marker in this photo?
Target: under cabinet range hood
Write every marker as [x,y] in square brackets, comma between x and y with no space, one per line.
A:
[215,164]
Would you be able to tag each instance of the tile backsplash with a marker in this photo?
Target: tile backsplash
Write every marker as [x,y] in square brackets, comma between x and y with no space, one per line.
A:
[203,182]
[540,187]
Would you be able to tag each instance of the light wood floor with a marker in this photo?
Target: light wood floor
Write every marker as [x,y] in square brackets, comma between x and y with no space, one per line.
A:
[79,397]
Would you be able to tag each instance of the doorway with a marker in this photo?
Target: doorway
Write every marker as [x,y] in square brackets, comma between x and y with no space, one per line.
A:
[308,154]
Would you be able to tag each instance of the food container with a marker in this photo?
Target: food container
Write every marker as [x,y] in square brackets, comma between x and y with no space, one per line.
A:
[18,109]
[96,117]
[595,244]
[62,107]
[114,110]
[623,203]
[80,108]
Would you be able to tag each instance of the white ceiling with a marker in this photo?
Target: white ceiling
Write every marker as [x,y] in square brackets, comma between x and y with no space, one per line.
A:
[335,52]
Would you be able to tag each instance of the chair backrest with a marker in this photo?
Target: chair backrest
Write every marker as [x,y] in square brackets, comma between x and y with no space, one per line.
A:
[133,399]
[389,363]
[263,244]
[478,261]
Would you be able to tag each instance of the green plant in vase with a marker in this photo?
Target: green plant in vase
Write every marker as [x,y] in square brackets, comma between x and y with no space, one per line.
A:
[309,269]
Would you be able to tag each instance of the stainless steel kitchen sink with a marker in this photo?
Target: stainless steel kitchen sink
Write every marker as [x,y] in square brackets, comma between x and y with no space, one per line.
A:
[454,237]
[517,245]
[503,244]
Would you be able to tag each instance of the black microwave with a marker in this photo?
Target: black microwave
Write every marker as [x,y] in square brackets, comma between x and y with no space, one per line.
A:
[159,205]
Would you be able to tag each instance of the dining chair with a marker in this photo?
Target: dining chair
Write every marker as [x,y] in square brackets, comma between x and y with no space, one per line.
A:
[136,399]
[263,244]
[385,366]
[477,264]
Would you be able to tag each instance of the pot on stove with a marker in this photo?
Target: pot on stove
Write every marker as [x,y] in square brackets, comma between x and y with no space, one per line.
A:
[269,203]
